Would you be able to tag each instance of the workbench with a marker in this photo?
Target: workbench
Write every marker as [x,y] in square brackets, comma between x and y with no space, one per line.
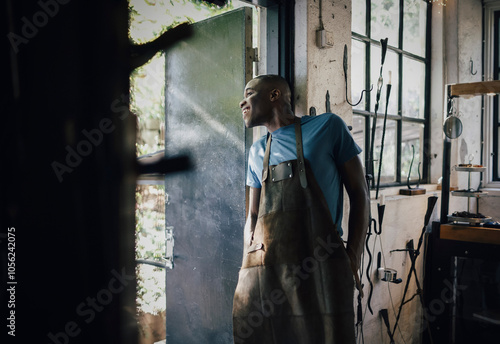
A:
[462,284]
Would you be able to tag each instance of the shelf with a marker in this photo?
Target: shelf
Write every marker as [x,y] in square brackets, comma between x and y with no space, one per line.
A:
[470,220]
[474,88]
[468,193]
[470,169]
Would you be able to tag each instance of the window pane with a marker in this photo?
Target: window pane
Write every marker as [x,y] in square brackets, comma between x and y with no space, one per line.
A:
[359,16]
[388,173]
[413,88]
[150,222]
[150,291]
[413,135]
[385,20]
[414,28]
[147,88]
[391,64]
[358,133]
[358,70]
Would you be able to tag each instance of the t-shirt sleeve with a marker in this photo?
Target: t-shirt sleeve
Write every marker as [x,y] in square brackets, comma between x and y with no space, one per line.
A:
[253,179]
[344,148]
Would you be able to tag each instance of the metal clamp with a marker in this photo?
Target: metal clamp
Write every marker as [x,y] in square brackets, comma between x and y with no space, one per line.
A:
[169,248]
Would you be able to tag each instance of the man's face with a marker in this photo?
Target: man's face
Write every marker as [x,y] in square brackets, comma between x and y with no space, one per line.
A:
[256,104]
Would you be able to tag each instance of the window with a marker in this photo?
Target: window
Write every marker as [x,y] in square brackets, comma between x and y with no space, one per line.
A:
[496,121]
[491,104]
[405,23]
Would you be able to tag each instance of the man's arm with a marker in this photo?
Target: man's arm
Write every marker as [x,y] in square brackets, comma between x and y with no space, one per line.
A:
[253,212]
[359,203]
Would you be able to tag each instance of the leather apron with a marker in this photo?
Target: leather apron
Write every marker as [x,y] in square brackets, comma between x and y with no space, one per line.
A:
[295,284]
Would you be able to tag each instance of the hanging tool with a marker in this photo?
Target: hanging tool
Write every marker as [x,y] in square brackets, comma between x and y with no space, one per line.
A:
[471,64]
[383,313]
[381,210]
[411,164]
[370,263]
[312,111]
[359,319]
[419,176]
[327,101]
[345,79]
[369,168]
[390,275]
[410,191]
[409,170]
[388,94]
[383,43]
[431,202]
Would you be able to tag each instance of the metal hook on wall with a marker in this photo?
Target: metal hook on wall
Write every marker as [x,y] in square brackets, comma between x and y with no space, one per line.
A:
[345,78]
[471,64]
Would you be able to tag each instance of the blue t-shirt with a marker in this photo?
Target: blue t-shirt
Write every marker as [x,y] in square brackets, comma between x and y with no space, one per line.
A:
[327,144]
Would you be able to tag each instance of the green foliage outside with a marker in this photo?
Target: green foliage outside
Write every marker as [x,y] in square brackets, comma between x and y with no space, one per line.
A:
[150,245]
[148,20]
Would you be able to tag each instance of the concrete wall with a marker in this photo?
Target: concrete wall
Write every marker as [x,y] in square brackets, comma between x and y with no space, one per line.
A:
[318,70]
[403,221]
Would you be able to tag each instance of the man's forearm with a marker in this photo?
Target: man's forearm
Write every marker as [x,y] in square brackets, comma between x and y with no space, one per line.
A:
[253,212]
[358,224]
[250,228]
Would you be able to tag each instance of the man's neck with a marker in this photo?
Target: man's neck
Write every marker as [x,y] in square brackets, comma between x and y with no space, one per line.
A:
[281,120]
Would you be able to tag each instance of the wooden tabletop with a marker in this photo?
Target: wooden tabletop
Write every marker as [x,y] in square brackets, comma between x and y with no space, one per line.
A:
[477,234]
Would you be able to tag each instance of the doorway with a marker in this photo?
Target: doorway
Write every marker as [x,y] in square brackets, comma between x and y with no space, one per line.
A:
[157,92]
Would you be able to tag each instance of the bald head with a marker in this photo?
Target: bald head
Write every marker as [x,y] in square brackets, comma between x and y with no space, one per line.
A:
[271,81]
[267,101]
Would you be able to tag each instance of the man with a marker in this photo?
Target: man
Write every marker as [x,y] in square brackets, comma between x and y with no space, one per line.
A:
[296,281]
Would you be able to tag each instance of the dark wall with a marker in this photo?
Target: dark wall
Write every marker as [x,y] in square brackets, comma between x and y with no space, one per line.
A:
[68,148]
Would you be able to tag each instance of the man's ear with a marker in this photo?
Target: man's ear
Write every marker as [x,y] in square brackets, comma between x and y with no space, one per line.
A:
[275,94]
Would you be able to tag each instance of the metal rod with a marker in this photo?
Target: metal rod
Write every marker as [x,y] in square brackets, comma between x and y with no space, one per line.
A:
[383,43]
[385,316]
[383,138]
[370,258]
[411,164]
[445,187]
[468,189]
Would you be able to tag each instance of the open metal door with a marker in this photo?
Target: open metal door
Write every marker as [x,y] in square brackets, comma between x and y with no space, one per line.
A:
[205,79]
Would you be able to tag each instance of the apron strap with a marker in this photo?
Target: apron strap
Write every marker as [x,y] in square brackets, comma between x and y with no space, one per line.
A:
[265,171]
[300,153]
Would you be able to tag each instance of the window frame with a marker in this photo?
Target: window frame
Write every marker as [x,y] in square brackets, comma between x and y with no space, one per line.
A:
[495,126]
[399,118]
[491,68]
